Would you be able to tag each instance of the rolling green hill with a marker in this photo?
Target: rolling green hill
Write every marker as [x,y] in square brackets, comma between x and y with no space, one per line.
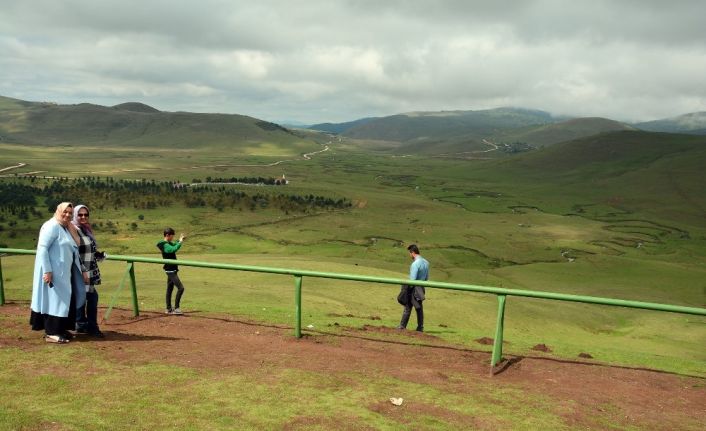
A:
[468,134]
[472,146]
[612,152]
[632,171]
[563,131]
[446,124]
[139,125]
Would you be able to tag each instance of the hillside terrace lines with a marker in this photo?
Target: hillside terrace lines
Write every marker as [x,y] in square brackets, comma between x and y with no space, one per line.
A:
[642,232]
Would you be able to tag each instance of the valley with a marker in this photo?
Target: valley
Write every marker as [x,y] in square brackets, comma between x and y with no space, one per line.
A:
[616,214]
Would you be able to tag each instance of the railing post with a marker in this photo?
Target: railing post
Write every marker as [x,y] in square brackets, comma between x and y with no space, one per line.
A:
[131,270]
[298,306]
[2,286]
[498,341]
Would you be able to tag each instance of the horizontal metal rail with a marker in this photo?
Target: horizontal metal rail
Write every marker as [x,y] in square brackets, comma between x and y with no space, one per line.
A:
[298,274]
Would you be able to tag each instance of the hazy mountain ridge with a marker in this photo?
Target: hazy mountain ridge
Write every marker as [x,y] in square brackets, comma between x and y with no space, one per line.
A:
[537,128]
[694,123]
[131,124]
[563,131]
[135,107]
[446,124]
[447,133]
[340,128]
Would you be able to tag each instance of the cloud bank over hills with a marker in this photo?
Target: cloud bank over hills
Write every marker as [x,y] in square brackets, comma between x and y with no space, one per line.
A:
[319,61]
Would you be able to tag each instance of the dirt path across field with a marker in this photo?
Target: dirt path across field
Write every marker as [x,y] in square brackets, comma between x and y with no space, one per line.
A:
[629,397]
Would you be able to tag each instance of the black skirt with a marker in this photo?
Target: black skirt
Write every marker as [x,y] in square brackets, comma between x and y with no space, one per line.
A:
[55,325]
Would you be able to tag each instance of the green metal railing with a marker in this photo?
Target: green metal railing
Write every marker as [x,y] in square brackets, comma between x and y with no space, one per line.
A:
[501,293]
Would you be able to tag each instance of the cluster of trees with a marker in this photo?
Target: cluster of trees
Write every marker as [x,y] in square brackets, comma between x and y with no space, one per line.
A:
[18,200]
[22,193]
[244,180]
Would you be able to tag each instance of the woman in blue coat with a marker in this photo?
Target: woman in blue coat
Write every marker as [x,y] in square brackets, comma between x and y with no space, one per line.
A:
[58,287]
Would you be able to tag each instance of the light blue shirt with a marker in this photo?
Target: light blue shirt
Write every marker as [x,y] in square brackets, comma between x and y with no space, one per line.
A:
[419,270]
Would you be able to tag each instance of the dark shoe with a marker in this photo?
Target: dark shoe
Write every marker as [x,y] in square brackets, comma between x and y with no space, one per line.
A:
[420,329]
[82,331]
[68,335]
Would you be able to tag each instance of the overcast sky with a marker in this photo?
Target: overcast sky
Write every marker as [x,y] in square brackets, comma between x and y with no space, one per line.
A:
[333,61]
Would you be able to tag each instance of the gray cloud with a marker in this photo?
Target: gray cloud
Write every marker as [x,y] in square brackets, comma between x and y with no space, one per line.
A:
[316,61]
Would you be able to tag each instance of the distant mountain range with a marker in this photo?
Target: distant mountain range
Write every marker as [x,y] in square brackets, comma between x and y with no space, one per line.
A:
[693,123]
[446,133]
[534,127]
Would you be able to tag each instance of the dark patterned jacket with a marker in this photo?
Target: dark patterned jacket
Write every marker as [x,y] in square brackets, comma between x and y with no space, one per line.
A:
[90,257]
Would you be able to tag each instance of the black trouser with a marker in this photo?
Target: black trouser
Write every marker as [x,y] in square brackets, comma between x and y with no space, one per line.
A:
[87,318]
[408,311]
[173,280]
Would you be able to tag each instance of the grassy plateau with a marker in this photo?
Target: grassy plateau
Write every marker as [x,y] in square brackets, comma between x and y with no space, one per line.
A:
[619,215]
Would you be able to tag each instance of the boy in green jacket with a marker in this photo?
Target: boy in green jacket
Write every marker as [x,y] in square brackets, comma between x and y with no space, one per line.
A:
[169,249]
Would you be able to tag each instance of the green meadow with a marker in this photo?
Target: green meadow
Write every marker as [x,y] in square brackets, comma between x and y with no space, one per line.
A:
[520,223]
[558,220]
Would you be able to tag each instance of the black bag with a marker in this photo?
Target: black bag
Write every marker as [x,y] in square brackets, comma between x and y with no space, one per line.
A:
[403,297]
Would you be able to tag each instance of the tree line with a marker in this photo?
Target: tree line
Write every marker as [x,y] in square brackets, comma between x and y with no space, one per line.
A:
[243,180]
[22,194]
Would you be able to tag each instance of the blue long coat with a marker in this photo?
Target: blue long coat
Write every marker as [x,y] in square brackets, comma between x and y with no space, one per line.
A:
[57,253]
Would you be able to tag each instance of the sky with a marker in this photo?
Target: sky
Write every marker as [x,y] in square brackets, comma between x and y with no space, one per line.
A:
[314,61]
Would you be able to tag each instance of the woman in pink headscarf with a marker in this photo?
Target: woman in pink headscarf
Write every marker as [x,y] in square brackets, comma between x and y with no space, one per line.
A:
[58,285]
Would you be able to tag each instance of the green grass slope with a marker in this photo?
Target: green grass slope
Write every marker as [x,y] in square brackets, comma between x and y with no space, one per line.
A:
[632,171]
[138,125]
[564,131]
[446,124]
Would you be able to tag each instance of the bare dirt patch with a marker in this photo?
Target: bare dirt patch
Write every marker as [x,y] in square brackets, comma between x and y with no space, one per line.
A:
[541,348]
[627,397]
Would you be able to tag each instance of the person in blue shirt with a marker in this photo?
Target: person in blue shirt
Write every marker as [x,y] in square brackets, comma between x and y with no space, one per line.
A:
[418,270]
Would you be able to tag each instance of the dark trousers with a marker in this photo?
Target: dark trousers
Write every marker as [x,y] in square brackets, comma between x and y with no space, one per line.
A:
[87,316]
[408,311]
[173,280]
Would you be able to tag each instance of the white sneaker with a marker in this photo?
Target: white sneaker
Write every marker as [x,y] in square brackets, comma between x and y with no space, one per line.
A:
[177,311]
[168,311]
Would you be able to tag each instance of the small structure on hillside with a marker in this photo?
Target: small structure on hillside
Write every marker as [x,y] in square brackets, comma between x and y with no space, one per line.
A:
[282,181]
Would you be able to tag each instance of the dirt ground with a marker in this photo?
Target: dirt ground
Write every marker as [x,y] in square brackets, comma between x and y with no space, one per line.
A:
[638,398]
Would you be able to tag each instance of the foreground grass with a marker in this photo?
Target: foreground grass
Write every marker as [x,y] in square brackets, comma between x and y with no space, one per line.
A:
[154,396]
[84,387]
[627,337]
